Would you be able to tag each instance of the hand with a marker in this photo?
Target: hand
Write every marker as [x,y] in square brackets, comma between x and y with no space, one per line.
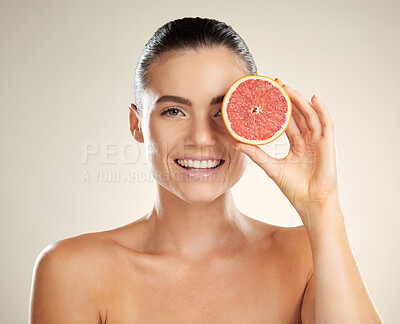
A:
[307,176]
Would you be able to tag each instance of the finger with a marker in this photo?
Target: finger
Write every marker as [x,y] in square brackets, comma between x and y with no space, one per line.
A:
[307,110]
[297,115]
[292,128]
[297,124]
[294,135]
[266,162]
[300,119]
[280,82]
[254,152]
[325,117]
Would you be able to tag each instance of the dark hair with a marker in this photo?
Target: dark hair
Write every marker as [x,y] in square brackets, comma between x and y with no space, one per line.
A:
[188,33]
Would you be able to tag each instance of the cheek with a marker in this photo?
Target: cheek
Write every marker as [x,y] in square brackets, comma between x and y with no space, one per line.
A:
[159,140]
[240,162]
[237,165]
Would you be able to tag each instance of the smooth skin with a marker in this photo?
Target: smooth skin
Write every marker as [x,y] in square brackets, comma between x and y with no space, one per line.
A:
[195,258]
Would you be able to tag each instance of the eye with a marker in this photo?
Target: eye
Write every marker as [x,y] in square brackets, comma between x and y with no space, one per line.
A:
[219,113]
[171,111]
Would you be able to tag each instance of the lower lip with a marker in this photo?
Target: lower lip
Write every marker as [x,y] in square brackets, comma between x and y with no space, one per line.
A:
[200,175]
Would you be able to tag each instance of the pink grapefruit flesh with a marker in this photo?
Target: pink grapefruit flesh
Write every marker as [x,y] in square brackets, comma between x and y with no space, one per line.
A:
[256,110]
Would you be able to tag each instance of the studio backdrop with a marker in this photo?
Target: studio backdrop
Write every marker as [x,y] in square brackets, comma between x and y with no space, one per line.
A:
[69,164]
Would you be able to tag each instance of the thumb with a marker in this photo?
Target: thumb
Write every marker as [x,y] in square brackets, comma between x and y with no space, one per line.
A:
[266,162]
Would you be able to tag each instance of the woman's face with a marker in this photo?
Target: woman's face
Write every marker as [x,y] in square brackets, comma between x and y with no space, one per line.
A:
[181,120]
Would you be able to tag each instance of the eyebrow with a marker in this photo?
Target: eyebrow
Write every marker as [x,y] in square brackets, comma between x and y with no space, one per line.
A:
[214,101]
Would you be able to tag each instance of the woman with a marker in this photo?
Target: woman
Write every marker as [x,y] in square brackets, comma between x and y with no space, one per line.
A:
[195,258]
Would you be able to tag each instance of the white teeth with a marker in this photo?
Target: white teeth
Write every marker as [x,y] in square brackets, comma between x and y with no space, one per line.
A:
[204,164]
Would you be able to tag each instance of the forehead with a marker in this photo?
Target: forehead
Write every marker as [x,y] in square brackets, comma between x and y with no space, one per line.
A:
[195,74]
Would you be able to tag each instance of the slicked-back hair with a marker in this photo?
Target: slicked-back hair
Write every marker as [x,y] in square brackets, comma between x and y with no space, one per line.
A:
[185,34]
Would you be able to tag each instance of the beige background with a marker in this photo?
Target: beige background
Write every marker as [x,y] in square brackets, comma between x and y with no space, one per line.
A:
[67,80]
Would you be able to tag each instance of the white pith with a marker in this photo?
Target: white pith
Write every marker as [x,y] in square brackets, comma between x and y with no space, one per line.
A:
[204,164]
[228,123]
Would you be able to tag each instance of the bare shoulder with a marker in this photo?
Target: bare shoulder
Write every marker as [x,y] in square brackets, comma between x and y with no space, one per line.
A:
[285,237]
[293,236]
[296,244]
[92,247]
[74,251]
[291,247]
[66,284]
[82,256]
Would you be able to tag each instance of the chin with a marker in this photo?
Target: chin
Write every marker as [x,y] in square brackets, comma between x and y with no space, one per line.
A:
[198,191]
[199,194]
[199,199]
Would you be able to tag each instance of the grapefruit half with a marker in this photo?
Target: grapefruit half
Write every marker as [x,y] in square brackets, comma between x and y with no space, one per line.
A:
[256,110]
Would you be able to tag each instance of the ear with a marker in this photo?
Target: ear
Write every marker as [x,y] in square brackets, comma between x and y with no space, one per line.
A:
[134,121]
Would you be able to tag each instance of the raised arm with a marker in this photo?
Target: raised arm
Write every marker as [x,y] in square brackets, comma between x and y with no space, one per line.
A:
[307,176]
[336,288]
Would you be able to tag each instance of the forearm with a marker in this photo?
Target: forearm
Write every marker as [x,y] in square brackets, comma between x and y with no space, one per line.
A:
[340,292]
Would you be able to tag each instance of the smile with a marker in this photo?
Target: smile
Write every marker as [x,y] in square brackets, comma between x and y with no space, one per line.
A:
[199,165]
[203,169]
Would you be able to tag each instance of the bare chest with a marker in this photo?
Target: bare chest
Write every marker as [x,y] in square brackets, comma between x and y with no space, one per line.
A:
[175,293]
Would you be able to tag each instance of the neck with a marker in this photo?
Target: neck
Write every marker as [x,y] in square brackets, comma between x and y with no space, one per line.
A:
[195,230]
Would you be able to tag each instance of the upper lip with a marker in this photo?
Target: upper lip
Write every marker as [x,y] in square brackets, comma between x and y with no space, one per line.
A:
[199,158]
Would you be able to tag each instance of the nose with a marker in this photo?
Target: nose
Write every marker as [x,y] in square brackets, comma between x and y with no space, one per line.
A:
[202,131]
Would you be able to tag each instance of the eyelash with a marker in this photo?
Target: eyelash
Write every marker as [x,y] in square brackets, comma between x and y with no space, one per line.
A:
[165,112]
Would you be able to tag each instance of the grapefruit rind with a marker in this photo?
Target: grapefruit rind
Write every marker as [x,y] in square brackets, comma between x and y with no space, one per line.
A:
[228,123]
